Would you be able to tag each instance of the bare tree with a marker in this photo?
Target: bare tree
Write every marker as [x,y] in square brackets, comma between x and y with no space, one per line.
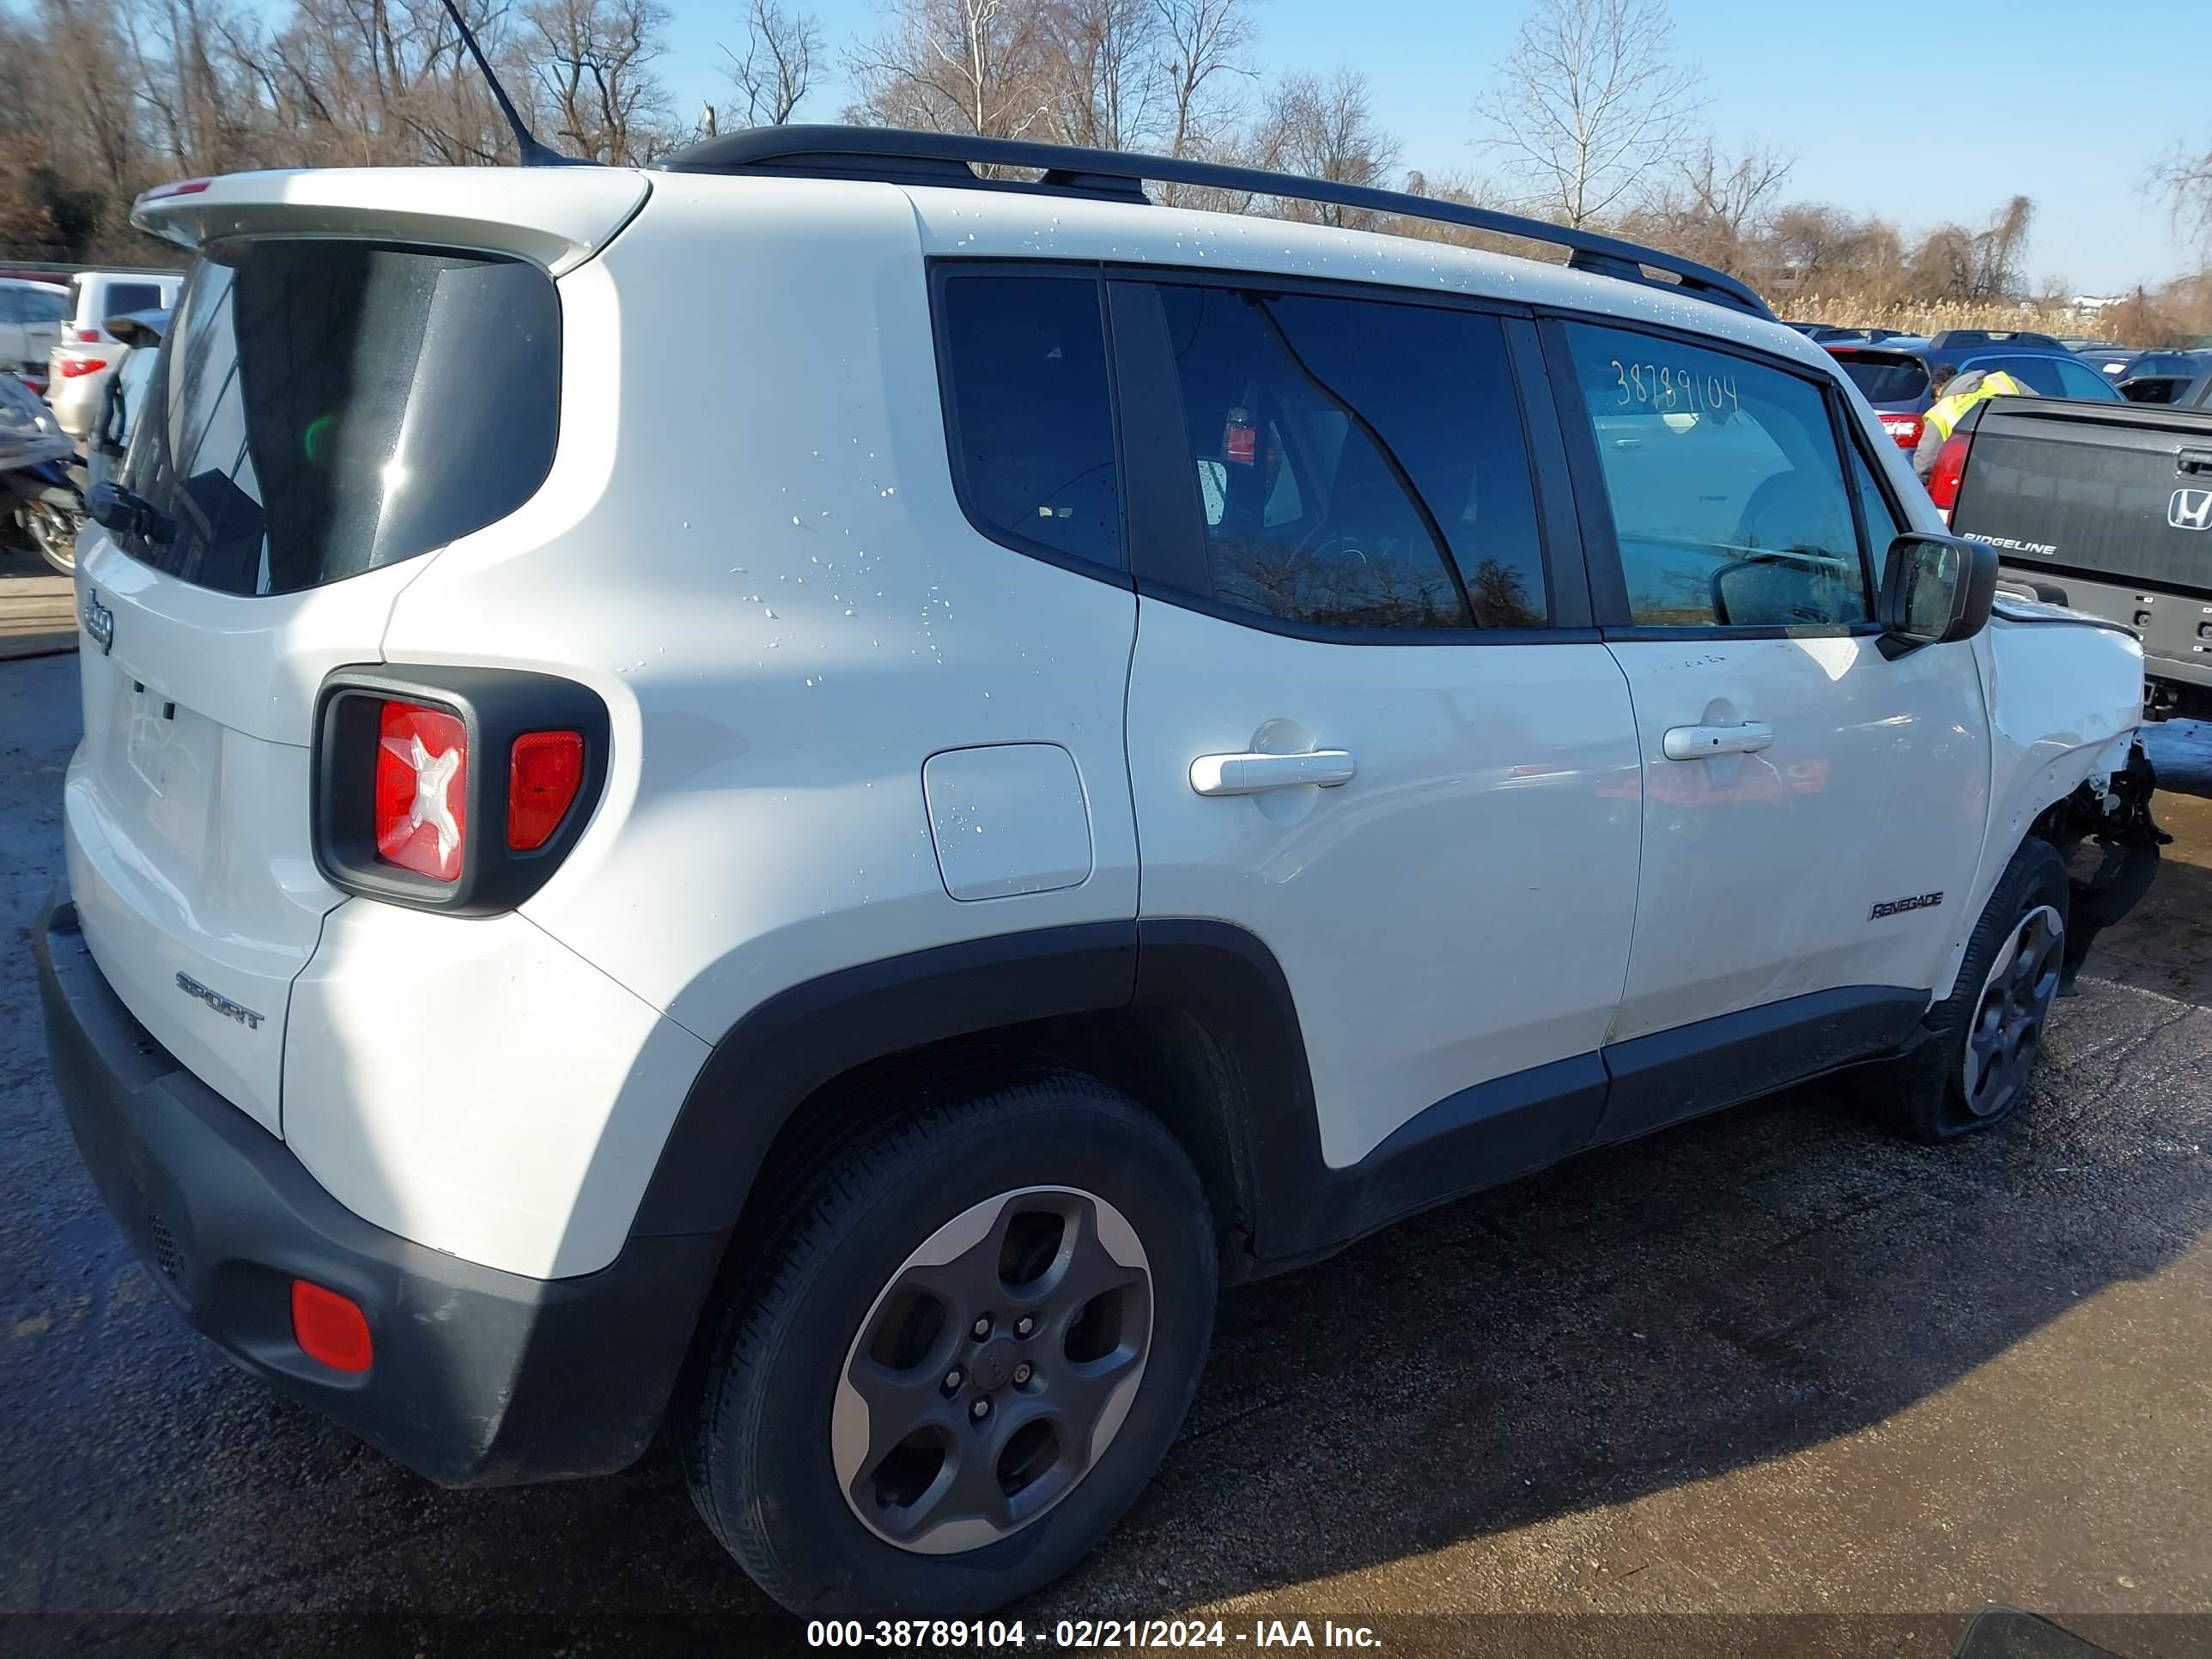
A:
[1207,49]
[978,66]
[777,70]
[2184,178]
[1589,110]
[1104,70]
[592,61]
[1954,263]
[1326,130]
[1721,209]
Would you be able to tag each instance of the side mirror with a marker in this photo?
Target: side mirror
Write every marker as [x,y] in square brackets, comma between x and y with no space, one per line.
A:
[1937,589]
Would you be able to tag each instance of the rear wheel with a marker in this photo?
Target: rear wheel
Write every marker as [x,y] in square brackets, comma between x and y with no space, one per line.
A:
[49,522]
[1975,1069]
[960,1358]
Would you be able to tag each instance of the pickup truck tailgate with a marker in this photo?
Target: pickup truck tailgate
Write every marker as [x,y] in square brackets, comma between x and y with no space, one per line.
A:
[2116,497]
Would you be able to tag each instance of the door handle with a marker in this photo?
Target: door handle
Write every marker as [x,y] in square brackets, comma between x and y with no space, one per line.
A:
[1252,774]
[1696,742]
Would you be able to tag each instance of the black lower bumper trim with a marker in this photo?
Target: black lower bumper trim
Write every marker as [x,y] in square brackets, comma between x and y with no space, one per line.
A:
[479,1377]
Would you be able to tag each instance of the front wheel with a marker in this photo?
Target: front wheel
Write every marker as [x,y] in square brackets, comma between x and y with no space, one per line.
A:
[960,1357]
[1974,1070]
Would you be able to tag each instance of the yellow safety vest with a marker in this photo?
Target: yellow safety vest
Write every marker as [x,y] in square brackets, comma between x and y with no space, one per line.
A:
[1946,413]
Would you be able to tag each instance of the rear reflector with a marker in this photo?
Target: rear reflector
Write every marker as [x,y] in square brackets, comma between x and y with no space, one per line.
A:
[422,789]
[543,772]
[73,367]
[329,1328]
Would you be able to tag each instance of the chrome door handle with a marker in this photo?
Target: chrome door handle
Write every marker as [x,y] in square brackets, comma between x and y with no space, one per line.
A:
[1252,774]
[1696,742]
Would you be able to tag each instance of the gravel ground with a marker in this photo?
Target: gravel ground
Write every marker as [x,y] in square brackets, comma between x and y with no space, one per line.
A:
[1771,1381]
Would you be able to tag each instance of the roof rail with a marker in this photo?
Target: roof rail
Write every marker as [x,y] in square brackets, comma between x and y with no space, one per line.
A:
[899,155]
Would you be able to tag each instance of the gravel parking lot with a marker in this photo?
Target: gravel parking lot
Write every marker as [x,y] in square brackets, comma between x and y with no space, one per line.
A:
[1774,1363]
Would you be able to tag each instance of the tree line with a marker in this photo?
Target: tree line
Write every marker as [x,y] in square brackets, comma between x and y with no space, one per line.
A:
[1591,119]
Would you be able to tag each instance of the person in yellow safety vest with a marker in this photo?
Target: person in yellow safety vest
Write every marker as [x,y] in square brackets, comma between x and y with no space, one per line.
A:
[1957,393]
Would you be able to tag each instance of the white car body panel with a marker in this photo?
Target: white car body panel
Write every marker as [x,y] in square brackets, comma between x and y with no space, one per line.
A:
[1760,870]
[1496,804]
[754,556]
[781,653]
[476,1087]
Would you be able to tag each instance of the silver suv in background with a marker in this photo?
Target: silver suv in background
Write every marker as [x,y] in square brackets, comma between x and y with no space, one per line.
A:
[85,355]
[31,315]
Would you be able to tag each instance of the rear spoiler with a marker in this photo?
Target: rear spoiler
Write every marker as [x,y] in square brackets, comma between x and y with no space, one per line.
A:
[557,218]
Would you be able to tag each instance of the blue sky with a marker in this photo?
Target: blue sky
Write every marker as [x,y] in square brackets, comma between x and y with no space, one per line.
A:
[1922,113]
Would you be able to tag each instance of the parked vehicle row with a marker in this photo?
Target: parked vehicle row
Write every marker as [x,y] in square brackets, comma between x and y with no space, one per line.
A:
[85,355]
[1101,754]
[1899,376]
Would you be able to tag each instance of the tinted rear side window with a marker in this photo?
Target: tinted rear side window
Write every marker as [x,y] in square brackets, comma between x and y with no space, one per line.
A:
[1030,424]
[121,299]
[324,408]
[1885,380]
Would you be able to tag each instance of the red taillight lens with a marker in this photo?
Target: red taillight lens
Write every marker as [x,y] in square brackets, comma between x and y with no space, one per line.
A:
[1950,468]
[543,772]
[73,367]
[1905,428]
[329,1328]
[422,789]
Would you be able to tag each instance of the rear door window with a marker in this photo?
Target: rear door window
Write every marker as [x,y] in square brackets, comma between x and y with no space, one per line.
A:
[1727,492]
[1361,465]
[323,408]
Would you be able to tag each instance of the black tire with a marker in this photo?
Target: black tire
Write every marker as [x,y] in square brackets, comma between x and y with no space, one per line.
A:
[1925,1094]
[754,1422]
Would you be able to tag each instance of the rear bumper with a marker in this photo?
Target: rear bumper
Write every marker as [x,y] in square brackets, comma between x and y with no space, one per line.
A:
[479,1377]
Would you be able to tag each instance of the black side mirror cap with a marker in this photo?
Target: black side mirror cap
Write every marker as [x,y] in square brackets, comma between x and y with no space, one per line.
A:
[1937,589]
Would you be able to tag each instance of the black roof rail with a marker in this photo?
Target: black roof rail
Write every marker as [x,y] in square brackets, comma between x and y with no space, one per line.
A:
[899,155]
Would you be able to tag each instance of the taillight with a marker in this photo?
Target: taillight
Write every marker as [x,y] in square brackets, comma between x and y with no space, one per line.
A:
[422,789]
[73,367]
[1950,469]
[458,790]
[545,770]
[1905,429]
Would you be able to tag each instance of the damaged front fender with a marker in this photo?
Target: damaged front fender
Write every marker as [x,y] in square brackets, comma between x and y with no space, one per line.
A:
[2109,841]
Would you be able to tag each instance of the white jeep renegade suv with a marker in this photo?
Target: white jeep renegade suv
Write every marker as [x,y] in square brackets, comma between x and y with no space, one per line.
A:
[831,876]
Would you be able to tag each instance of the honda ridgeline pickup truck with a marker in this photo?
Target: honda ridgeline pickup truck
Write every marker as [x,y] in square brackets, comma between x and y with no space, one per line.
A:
[2104,507]
[830,881]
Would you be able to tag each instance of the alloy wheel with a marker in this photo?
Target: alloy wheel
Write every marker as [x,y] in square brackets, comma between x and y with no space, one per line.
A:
[2009,1016]
[992,1370]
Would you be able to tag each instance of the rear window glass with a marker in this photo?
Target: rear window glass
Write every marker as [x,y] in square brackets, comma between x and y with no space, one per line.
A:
[122,298]
[1032,428]
[1885,380]
[324,408]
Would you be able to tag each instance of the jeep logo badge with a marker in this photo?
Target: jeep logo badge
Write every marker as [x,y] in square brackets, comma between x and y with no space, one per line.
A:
[99,622]
[2190,509]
